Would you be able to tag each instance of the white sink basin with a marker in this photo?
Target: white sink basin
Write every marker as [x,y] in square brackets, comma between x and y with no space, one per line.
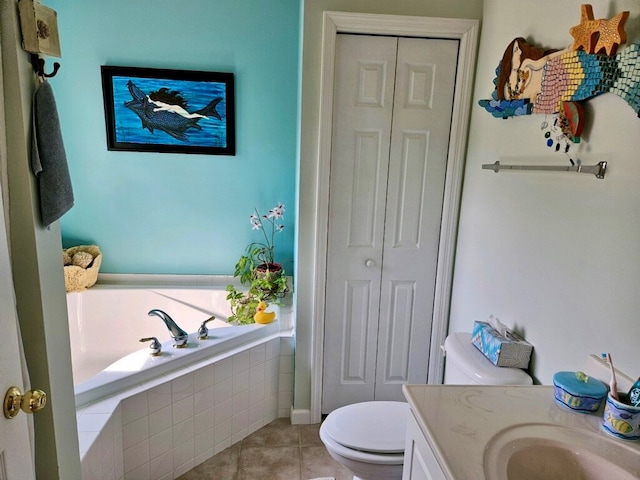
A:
[538,451]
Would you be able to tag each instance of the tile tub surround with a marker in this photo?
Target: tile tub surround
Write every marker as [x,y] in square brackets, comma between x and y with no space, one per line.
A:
[166,427]
[458,421]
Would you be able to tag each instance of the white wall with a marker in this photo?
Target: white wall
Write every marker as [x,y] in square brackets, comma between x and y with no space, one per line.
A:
[553,254]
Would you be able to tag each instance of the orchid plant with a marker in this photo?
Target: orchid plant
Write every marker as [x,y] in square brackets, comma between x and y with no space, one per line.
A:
[258,269]
[264,251]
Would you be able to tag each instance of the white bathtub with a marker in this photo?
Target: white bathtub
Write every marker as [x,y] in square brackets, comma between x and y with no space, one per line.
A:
[106,323]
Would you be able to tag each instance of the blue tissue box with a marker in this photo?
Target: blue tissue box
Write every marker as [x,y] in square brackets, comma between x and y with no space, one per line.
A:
[508,350]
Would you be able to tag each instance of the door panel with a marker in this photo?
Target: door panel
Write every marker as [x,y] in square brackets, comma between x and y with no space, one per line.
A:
[392,111]
[411,184]
[15,447]
[363,101]
[423,102]
[355,332]
[365,188]
[398,336]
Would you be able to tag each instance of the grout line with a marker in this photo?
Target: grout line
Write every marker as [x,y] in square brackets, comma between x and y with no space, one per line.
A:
[237,475]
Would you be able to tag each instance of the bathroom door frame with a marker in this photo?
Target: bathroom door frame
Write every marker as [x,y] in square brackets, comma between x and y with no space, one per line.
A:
[466,32]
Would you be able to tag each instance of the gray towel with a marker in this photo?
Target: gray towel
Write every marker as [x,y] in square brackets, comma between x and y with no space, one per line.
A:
[48,158]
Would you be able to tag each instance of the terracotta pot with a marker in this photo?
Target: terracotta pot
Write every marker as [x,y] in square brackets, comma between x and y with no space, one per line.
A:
[268,271]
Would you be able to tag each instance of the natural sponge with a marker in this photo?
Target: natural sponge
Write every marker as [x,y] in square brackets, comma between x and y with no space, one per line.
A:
[82,259]
[81,266]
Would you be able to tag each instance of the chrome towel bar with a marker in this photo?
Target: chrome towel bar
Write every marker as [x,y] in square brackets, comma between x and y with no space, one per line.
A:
[597,170]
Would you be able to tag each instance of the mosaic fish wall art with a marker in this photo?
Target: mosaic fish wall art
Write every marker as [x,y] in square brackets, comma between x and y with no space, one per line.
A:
[531,80]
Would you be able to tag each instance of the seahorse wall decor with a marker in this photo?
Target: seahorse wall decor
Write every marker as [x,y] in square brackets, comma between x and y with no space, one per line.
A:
[530,79]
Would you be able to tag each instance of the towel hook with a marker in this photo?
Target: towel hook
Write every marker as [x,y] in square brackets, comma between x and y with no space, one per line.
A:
[38,66]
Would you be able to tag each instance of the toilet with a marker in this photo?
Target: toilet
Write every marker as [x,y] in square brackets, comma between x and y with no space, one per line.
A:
[465,365]
[368,438]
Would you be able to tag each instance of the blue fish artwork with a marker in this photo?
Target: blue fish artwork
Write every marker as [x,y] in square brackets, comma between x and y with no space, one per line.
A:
[166,110]
[171,113]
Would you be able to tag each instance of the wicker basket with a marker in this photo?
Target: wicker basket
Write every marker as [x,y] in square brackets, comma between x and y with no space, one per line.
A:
[77,278]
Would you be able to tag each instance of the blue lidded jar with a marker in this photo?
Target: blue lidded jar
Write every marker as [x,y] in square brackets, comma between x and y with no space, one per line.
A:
[579,392]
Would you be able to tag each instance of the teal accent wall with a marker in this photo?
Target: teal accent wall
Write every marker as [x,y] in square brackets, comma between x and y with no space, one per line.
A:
[180,213]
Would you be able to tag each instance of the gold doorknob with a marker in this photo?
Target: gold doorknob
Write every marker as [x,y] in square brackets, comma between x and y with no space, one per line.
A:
[31,402]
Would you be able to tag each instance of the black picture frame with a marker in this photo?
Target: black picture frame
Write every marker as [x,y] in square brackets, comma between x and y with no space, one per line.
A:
[169,111]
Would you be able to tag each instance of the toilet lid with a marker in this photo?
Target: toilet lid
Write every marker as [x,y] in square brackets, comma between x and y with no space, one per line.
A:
[378,427]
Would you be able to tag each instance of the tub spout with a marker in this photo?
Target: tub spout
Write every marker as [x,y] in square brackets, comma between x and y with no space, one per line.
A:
[179,336]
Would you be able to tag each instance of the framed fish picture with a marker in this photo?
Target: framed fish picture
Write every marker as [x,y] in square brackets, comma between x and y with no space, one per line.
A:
[169,111]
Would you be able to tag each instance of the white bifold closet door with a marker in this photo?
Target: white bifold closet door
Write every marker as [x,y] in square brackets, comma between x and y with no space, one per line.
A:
[393,100]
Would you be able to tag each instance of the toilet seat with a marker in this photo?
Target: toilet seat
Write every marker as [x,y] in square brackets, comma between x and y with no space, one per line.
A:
[360,456]
[372,432]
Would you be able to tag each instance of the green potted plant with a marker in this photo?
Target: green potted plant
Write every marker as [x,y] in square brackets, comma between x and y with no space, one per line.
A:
[258,270]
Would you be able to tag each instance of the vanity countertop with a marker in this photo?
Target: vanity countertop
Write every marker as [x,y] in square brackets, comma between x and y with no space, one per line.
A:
[459,420]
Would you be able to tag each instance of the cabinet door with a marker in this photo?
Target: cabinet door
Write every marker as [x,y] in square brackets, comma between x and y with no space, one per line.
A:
[419,461]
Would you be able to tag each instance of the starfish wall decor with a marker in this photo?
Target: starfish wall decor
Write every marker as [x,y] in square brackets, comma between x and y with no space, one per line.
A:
[607,34]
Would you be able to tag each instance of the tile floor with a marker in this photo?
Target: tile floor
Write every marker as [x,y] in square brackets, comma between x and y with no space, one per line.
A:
[278,451]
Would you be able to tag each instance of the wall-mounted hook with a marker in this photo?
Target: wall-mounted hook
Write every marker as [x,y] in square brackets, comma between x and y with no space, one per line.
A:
[38,66]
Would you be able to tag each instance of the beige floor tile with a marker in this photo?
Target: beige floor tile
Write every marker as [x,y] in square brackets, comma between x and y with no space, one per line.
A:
[273,463]
[309,435]
[278,451]
[279,433]
[316,462]
[223,466]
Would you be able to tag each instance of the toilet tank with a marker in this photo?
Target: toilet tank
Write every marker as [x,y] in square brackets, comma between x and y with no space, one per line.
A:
[465,365]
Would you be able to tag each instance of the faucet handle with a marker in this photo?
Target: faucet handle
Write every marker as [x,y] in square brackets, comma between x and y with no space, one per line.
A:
[155,346]
[203,331]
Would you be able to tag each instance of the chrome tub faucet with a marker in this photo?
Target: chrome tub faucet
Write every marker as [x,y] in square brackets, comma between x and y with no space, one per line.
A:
[180,337]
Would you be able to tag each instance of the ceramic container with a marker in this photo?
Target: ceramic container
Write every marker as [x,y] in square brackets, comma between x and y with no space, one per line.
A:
[577,391]
[621,419]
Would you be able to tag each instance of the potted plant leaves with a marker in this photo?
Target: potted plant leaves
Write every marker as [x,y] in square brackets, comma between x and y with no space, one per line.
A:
[258,270]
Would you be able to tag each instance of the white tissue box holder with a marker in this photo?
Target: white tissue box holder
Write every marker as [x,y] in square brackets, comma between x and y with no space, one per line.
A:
[508,350]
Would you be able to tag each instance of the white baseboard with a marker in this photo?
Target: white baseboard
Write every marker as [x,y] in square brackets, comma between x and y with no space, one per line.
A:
[300,416]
